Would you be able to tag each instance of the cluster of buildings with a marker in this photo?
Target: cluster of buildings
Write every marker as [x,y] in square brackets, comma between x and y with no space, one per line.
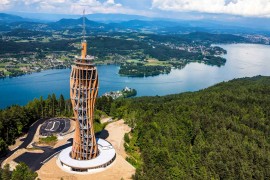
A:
[258,39]
[196,48]
[30,64]
[119,94]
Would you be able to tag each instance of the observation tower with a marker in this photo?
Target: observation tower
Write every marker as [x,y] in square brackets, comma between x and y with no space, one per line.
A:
[87,152]
[83,93]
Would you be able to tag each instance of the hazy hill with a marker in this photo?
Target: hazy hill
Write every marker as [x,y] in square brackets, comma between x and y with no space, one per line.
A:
[147,24]
[108,18]
[74,23]
[204,36]
[10,18]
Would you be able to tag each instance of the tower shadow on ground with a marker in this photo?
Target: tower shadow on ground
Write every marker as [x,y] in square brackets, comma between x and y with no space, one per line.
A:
[104,134]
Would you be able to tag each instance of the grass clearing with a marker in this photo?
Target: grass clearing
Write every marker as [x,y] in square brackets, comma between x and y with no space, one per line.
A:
[134,61]
[155,62]
[7,73]
[50,140]
[3,64]
[23,40]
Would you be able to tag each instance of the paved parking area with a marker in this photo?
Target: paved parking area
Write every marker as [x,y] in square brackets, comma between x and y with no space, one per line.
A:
[54,126]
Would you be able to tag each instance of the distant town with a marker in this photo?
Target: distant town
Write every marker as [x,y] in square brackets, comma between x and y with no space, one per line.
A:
[139,49]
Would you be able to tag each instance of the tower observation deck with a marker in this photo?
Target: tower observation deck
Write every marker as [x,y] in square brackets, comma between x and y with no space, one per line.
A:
[86,152]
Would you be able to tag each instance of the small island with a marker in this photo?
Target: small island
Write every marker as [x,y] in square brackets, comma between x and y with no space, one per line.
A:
[124,93]
[144,69]
[154,67]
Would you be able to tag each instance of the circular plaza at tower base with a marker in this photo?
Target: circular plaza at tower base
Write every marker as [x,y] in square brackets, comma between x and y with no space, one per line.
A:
[106,157]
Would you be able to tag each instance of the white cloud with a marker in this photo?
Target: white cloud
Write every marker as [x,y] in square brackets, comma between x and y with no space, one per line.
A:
[110,2]
[62,6]
[236,7]
[4,4]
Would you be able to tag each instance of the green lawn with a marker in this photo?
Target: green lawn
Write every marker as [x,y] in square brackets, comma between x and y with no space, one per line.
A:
[7,72]
[3,64]
[23,40]
[50,140]
[134,61]
[155,62]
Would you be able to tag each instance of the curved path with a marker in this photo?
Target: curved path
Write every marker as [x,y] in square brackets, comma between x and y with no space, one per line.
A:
[40,158]
[27,140]
[28,157]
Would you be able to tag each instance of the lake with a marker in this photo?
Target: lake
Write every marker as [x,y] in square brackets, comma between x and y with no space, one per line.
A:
[243,60]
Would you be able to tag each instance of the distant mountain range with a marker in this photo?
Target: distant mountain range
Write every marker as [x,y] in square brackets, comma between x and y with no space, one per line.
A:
[11,18]
[105,18]
[120,22]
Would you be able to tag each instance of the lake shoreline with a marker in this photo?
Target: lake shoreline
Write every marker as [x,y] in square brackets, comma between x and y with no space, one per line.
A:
[243,60]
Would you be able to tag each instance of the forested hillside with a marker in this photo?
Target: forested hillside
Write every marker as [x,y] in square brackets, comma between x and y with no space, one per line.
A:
[222,132]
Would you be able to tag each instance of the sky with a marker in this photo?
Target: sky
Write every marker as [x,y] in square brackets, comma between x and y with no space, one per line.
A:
[151,8]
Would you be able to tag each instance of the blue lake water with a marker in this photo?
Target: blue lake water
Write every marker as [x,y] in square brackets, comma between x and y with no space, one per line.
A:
[243,60]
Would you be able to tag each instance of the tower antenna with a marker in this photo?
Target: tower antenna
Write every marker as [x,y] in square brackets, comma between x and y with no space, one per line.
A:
[84,31]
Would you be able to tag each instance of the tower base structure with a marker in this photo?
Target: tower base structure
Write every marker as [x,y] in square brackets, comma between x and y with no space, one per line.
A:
[105,158]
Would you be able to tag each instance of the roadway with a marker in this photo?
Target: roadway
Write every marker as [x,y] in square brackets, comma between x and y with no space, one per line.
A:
[27,140]
[36,160]
[41,158]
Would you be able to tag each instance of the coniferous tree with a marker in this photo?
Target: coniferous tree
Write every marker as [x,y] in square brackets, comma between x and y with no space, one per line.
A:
[22,172]
[41,106]
[3,146]
[6,174]
[61,103]
[54,104]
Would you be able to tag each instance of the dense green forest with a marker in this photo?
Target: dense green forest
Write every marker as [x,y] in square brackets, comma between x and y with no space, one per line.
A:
[30,47]
[203,37]
[222,132]
[21,172]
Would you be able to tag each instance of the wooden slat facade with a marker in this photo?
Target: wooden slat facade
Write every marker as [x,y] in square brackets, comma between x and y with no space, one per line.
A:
[83,93]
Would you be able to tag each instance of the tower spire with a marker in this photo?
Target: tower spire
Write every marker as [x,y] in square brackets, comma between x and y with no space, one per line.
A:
[84,43]
[83,32]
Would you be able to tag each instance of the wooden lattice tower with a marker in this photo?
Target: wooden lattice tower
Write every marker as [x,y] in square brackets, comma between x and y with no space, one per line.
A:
[83,93]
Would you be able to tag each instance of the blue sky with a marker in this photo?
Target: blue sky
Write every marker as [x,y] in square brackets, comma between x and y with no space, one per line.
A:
[153,8]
